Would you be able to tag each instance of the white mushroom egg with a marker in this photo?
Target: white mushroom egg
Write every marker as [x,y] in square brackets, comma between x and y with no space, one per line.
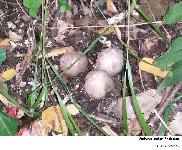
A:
[69,58]
[98,84]
[110,60]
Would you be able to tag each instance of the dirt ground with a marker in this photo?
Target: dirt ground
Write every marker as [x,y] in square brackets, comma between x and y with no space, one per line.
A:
[144,42]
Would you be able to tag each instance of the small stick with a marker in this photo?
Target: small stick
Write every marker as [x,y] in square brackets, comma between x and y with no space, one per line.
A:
[168,96]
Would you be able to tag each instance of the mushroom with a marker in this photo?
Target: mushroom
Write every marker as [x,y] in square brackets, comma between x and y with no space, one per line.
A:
[98,84]
[69,58]
[110,60]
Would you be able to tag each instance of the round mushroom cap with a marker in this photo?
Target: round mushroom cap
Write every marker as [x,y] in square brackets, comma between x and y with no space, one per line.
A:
[98,84]
[69,58]
[110,60]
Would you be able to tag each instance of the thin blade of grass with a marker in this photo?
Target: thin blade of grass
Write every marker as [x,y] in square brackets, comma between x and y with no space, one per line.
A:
[167,113]
[75,125]
[125,116]
[5,93]
[62,108]
[137,109]
[154,27]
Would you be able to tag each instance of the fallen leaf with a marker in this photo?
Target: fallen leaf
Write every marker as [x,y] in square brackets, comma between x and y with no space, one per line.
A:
[156,71]
[111,7]
[147,100]
[72,109]
[52,118]
[134,127]
[14,36]
[118,32]
[24,132]
[58,51]
[12,111]
[8,74]
[38,129]
[5,43]
[110,30]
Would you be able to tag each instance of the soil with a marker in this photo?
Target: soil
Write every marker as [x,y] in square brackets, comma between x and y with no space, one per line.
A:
[144,42]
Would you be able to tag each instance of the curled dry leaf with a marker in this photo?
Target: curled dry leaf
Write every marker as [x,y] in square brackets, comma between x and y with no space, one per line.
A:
[175,125]
[58,51]
[8,75]
[156,71]
[52,118]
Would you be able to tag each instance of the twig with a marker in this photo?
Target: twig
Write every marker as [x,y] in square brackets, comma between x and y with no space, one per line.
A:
[8,2]
[168,96]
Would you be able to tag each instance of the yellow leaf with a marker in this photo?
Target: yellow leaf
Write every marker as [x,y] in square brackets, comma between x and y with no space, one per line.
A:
[156,71]
[111,7]
[8,74]
[5,42]
[52,118]
[58,51]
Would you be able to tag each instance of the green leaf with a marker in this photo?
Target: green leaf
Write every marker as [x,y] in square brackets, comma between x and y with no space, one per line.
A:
[125,115]
[2,55]
[174,77]
[174,14]
[172,55]
[33,6]
[8,125]
[64,6]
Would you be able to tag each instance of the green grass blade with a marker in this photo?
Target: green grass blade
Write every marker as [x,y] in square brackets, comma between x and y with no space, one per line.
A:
[139,114]
[167,113]
[75,125]
[4,92]
[62,108]
[89,118]
[125,116]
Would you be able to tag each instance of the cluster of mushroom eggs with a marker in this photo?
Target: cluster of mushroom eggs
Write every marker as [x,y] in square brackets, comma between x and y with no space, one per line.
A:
[98,82]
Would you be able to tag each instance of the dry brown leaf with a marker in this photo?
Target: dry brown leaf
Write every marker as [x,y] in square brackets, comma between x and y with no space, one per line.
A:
[110,30]
[111,7]
[151,69]
[58,51]
[118,32]
[8,74]
[5,43]
[38,129]
[147,100]
[134,127]
[14,36]
[52,118]
[72,109]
